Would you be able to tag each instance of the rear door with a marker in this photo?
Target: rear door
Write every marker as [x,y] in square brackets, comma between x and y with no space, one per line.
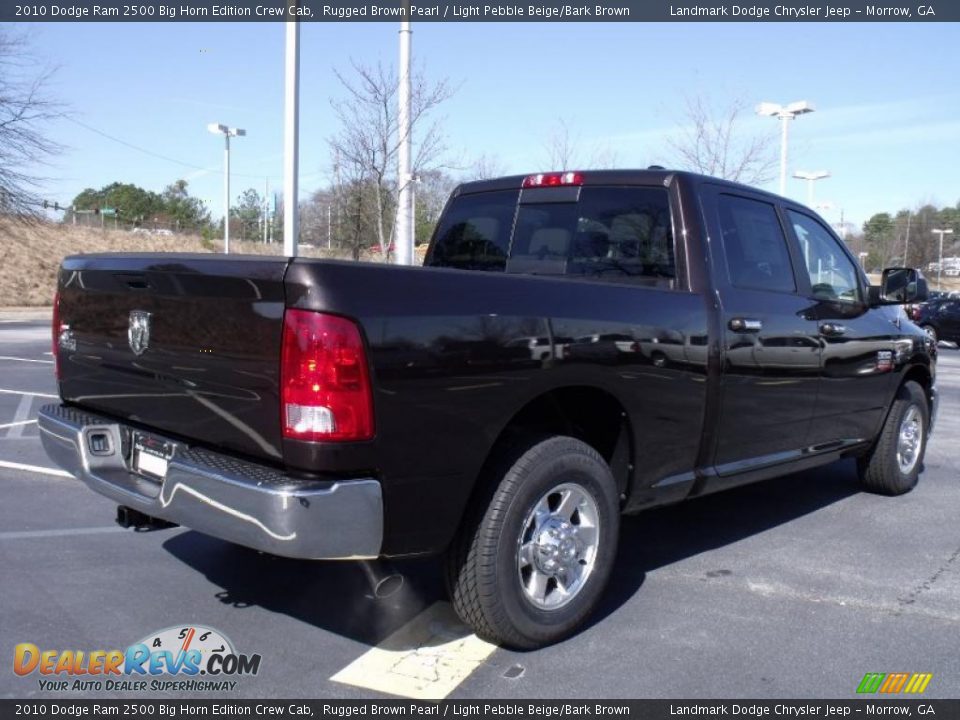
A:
[771,350]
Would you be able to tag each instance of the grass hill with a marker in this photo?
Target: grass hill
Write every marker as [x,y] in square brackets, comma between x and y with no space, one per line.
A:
[30,254]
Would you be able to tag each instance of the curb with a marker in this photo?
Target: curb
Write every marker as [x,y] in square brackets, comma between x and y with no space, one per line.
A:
[25,314]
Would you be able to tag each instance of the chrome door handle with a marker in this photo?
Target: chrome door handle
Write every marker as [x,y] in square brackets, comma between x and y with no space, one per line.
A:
[833,329]
[745,325]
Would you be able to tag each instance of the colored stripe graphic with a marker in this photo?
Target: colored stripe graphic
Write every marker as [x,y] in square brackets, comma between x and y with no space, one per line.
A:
[918,683]
[893,683]
[871,682]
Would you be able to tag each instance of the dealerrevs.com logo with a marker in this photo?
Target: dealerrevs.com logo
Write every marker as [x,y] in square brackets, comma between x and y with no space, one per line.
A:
[180,658]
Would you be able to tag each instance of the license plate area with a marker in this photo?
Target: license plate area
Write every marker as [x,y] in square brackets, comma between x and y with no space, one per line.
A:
[150,456]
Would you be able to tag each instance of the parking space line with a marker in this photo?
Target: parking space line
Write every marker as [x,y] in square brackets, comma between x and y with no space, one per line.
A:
[11,357]
[35,394]
[22,413]
[426,659]
[34,469]
[13,424]
[66,532]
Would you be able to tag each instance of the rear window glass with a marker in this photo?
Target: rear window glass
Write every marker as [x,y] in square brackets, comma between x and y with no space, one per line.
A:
[755,246]
[474,233]
[611,233]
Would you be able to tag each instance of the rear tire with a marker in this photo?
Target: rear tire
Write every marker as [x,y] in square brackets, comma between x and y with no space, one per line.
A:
[892,467]
[528,568]
[931,331]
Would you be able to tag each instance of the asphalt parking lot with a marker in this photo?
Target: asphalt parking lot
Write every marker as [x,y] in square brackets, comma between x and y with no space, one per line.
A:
[792,588]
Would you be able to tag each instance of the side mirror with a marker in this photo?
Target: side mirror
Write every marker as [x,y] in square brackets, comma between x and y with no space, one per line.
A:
[899,286]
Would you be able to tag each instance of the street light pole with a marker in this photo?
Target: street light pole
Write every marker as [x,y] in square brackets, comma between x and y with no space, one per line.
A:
[405,208]
[226,194]
[291,136]
[811,177]
[784,138]
[941,233]
[228,132]
[786,113]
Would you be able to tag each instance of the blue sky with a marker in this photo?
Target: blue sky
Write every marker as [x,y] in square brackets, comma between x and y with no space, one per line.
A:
[887,123]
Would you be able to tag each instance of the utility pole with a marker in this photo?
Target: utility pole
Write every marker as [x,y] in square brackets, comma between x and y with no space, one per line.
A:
[404,227]
[266,208]
[941,233]
[906,242]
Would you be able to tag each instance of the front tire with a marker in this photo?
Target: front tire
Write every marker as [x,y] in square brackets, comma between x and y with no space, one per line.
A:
[531,565]
[892,467]
[931,331]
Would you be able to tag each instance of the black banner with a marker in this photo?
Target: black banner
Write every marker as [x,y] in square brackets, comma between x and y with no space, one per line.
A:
[478,11]
[487,709]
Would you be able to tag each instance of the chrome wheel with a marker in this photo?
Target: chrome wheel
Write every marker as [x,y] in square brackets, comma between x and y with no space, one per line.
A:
[910,439]
[557,548]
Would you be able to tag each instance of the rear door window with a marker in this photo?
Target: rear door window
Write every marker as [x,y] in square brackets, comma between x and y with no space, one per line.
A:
[754,245]
[474,233]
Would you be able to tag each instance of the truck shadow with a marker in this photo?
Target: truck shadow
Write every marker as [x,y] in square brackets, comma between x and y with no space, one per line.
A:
[366,602]
[661,537]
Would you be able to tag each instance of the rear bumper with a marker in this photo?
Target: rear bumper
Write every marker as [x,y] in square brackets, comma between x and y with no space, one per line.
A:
[216,494]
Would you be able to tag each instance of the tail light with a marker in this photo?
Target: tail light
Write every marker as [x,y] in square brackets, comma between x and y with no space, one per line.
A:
[553,179]
[325,385]
[55,328]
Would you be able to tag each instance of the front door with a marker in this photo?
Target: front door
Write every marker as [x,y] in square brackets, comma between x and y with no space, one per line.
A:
[860,348]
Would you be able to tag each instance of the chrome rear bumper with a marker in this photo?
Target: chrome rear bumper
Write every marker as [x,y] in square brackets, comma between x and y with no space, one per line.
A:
[243,502]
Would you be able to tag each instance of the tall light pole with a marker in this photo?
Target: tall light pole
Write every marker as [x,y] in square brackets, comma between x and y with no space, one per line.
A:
[228,132]
[291,134]
[941,233]
[811,176]
[786,113]
[405,207]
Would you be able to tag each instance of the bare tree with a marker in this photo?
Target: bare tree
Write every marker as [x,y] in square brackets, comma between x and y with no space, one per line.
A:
[25,108]
[369,139]
[485,167]
[561,146]
[564,150]
[713,142]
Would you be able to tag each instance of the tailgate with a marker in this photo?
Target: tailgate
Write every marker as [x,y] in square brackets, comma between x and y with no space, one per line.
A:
[186,344]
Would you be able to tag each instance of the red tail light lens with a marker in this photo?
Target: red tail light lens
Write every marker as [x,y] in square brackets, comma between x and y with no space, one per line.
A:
[553,179]
[55,328]
[325,385]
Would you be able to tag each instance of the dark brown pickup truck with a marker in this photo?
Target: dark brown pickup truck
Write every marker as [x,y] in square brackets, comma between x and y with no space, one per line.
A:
[578,346]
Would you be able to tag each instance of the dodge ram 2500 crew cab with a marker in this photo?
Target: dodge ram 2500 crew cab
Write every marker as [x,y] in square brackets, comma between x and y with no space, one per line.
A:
[578,346]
